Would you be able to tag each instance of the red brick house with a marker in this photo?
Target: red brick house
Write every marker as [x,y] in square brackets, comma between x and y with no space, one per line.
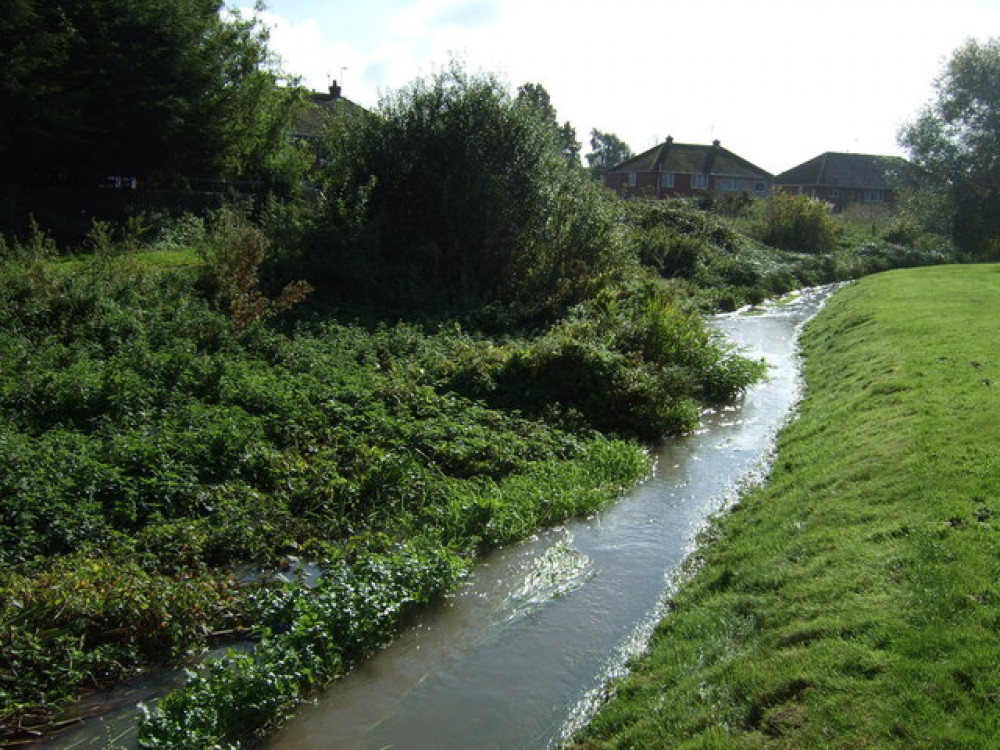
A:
[845,179]
[686,170]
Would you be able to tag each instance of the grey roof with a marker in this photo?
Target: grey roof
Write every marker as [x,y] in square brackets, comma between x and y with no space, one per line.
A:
[687,158]
[844,170]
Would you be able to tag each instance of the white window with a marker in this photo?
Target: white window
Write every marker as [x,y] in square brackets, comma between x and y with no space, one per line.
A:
[759,188]
[834,192]
[727,184]
[667,179]
[631,179]
[873,196]
[699,181]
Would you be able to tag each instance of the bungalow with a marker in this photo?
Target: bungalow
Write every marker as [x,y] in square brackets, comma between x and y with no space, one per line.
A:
[844,179]
[684,170]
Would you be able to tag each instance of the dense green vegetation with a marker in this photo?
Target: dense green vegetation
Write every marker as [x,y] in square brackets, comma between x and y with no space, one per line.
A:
[457,196]
[162,424]
[453,337]
[164,90]
[953,145]
[724,261]
[166,417]
[852,601]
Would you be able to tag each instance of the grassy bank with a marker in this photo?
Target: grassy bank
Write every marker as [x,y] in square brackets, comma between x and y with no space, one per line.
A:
[853,601]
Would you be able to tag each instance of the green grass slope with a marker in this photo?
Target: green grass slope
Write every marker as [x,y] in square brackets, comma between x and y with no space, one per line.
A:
[854,602]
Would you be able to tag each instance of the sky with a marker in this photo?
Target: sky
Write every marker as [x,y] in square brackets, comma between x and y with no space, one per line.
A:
[776,81]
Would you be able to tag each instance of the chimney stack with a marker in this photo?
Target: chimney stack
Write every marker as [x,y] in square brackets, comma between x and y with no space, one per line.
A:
[334,91]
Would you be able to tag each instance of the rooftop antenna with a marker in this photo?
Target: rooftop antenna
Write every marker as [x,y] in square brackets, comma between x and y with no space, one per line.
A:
[342,69]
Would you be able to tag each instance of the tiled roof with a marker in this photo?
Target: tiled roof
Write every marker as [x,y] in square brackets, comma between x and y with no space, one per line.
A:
[321,107]
[843,170]
[687,158]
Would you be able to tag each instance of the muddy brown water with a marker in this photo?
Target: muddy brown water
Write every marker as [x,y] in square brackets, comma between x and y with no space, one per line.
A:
[519,657]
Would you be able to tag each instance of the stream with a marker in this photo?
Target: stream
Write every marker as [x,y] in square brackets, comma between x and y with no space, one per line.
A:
[518,657]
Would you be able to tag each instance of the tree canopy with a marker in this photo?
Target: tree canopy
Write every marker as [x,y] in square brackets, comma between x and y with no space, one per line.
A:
[159,89]
[534,95]
[607,151]
[955,145]
[459,189]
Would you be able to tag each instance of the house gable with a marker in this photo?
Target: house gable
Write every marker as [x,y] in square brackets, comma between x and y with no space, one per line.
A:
[843,178]
[683,169]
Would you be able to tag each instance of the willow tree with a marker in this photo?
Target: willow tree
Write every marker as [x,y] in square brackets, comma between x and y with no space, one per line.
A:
[955,145]
[465,192]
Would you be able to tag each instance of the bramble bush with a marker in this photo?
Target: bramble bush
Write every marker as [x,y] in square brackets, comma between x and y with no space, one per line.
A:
[705,258]
[91,620]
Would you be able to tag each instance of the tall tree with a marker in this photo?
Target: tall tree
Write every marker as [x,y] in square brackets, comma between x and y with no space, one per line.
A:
[458,191]
[536,98]
[153,88]
[607,151]
[955,145]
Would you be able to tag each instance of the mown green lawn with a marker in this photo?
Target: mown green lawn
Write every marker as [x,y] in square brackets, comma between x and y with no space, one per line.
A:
[854,602]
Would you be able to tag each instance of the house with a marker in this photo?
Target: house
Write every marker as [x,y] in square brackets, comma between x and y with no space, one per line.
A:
[685,170]
[319,110]
[845,179]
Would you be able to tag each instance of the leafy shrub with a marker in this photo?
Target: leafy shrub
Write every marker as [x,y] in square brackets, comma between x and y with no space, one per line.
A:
[446,202]
[309,637]
[669,252]
[186,231]
[234,253]
[633,362]
[797,223]
[459,195]
[88,620]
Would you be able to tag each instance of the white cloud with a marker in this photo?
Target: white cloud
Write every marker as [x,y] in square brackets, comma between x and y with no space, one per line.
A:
[468,15]
[427,17]
[778,81]
[304,50]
